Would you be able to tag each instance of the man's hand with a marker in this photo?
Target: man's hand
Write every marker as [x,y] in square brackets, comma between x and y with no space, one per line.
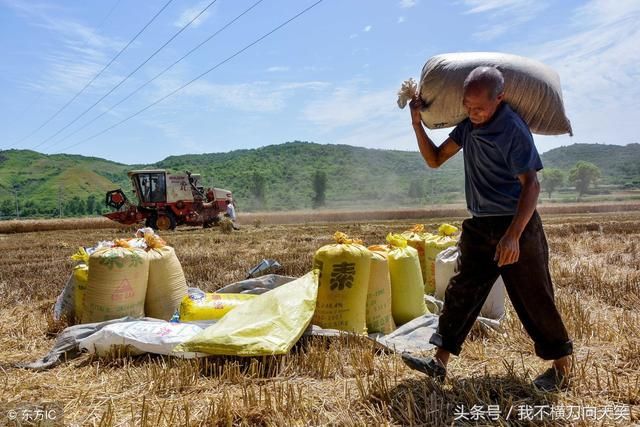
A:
[416,105]
[508,249]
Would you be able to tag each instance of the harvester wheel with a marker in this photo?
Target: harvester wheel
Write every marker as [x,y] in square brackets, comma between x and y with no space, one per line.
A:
[163,221]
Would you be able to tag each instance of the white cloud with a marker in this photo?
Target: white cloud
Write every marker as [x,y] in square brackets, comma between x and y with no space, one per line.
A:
[401,19]
[277,68]
[497,6]
[408,3]
[81,53]
[351,104]
[353,36]
[191,12]
[260,96]
[598,66]
[501,16]
[367,28]
[355,115]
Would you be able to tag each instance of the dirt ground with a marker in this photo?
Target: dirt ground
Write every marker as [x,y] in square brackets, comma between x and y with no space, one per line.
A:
[595,264]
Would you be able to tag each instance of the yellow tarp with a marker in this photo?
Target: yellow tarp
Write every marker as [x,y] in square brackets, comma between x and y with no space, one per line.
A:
[269,324]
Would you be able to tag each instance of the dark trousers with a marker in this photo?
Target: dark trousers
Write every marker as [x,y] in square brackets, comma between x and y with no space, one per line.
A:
[527,281]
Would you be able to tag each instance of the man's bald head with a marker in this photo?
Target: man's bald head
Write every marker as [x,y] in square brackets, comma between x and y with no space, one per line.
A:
[487,79]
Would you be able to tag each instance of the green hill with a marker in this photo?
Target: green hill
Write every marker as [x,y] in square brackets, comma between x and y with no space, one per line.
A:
[620,164]
[356,177]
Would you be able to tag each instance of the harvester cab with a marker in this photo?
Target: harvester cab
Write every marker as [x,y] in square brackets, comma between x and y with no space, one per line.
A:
[166,200]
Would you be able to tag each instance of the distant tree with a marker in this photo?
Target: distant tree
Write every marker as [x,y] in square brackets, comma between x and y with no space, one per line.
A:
[29,209]
[74,207]
[416,189]
[582,175]
[552,179]
[319,188]
[258,188]
[7,208]
[90,205]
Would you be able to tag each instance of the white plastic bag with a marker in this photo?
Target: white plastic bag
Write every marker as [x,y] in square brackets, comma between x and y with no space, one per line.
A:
[143,336]
[446,263]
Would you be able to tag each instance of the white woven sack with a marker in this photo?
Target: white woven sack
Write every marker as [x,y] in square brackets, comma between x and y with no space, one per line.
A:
[446,263]
[531,88]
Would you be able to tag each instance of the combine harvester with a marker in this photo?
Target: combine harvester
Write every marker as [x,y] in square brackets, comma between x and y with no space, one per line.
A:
[166,200]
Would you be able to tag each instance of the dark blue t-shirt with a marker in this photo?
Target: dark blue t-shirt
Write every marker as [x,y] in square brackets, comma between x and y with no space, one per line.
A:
[494,155]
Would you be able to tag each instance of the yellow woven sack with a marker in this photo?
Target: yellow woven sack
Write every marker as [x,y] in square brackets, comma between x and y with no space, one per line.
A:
[210,306]
[117,284]
[407,289]
[379,316]
[434,245]
[167,285]
[269,324]
[416,239]
[344,281]
[80,277]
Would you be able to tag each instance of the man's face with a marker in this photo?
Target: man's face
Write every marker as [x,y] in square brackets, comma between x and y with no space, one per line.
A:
[480,105]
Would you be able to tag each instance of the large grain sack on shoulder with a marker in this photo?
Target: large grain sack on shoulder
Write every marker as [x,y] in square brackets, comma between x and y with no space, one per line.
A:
[416,239]
[531,88]
[117,284]
[344,281]
[379,315]
[446,267]
[407,288]
[446,237]
[167,285]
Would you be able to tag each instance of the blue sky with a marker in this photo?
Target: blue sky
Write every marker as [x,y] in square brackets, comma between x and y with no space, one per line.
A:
[330,77]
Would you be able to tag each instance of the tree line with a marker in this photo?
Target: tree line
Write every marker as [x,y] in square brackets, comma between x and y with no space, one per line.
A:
[74,207]
[582,176]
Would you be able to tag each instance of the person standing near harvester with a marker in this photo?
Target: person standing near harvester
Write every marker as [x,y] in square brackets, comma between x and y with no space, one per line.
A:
[503,237]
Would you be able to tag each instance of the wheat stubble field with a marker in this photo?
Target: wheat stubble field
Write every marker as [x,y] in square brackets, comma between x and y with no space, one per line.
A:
[595,263]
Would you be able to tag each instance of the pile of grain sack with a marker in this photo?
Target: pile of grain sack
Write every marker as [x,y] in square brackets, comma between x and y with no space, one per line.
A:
[139,277]
[377,288]
[126,277]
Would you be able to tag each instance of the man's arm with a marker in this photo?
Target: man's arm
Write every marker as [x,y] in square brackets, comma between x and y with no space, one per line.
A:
[434,156]
[508,249]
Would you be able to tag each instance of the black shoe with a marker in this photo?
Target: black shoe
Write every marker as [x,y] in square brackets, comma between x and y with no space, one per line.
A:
[551,380]
[427,365]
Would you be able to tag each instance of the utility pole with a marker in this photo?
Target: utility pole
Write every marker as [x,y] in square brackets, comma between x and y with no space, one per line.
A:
[60,201]
[15,194]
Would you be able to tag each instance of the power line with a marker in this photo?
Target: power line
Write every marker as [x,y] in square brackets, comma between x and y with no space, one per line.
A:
[94,77]
[127,76]
[198,46]
[229,58]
